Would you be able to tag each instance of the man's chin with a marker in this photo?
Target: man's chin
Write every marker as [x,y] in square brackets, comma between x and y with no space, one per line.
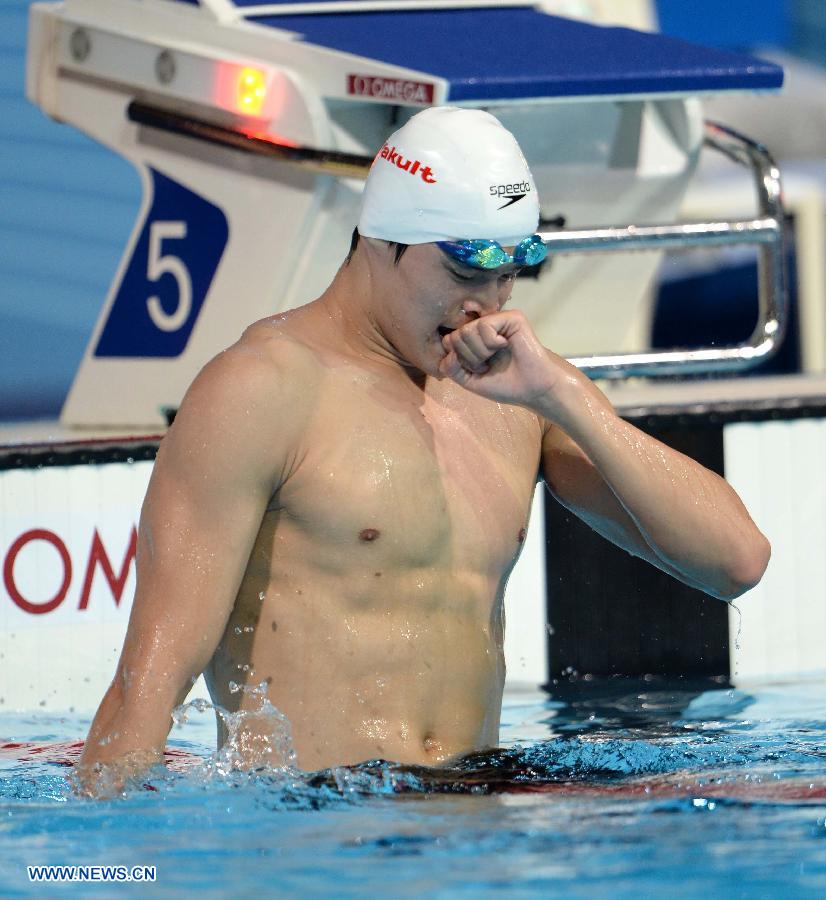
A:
[427,363]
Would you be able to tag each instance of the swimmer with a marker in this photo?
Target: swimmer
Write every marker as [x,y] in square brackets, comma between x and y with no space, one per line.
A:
[337,507]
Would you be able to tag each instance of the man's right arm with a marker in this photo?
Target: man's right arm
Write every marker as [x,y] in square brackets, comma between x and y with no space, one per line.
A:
[216,470]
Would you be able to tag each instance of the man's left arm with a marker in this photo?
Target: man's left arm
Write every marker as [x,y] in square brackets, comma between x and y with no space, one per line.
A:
[646,497]
[666,508]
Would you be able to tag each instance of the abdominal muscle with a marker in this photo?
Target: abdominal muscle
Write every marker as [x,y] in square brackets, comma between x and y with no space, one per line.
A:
[406,667]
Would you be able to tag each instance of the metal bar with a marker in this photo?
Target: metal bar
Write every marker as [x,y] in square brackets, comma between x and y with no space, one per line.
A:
[765,231]
[662,237]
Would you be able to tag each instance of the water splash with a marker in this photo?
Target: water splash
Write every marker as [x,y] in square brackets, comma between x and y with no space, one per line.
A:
[257,738]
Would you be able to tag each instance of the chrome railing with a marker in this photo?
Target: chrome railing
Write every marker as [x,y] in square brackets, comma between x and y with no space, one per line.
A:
[766,231]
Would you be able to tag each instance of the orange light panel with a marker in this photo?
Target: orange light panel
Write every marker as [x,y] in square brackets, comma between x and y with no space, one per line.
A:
[251,91]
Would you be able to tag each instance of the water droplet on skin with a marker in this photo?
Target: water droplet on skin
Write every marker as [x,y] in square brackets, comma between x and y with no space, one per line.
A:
[262,595]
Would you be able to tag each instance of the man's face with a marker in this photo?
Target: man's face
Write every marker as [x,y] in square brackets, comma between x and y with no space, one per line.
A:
[431,294]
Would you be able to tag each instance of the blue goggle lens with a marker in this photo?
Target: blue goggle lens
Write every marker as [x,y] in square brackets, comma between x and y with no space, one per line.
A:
[486,254]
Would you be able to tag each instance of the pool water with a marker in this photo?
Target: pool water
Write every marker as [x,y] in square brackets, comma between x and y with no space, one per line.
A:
[617,787]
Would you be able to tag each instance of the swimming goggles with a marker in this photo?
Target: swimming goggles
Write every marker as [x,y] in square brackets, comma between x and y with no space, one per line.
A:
[487,254]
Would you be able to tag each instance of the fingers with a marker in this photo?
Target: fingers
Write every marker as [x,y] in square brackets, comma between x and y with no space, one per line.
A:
[453,369]
[473,345]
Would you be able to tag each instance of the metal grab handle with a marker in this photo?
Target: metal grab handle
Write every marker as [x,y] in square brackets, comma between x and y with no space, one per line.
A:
[766,231]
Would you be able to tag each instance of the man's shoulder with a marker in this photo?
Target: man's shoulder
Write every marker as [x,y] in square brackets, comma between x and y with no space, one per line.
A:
[277,346]
[267,378]
[251,403]
[267,361]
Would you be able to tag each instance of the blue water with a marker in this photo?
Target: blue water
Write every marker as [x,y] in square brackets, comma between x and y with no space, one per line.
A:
[648,788]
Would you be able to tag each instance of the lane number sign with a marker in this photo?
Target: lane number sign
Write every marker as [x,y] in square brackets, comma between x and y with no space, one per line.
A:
[166,281]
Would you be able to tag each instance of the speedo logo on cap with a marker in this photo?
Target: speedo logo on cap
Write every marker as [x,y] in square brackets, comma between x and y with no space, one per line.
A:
[411,166]
[513,193]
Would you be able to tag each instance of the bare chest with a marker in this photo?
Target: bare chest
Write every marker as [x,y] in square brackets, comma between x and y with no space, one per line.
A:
[414,479]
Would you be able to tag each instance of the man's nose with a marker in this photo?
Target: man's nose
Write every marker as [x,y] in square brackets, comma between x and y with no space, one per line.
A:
[484,300]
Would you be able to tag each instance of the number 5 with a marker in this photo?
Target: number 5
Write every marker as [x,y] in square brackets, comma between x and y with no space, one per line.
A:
[158,265]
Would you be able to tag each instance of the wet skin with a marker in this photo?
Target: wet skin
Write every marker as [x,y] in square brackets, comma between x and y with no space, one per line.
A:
[342,496]
[382,559]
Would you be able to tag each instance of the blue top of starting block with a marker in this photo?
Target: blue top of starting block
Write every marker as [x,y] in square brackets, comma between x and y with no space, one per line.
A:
[519,53]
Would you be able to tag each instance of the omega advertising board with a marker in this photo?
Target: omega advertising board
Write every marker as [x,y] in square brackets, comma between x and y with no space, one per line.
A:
[67,551]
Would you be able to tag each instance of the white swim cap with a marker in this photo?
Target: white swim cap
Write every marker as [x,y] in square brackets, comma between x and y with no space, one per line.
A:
[450,174]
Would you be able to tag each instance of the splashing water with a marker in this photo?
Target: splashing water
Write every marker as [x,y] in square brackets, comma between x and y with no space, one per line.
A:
[257,738]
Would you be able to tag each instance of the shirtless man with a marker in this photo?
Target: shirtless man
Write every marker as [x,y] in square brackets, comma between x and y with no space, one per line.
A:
[342,496]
